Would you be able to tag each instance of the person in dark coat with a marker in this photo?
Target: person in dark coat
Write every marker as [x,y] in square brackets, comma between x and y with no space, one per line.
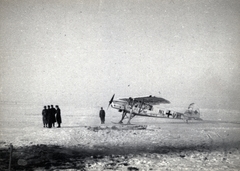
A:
[58,116]
[44,116]
[49,118]
[102,115]
[53,112]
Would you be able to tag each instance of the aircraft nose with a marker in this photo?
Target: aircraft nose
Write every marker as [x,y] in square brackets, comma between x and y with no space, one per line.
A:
[112,104]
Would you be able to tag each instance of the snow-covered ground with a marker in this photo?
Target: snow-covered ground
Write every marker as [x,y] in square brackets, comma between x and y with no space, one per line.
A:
[149,144]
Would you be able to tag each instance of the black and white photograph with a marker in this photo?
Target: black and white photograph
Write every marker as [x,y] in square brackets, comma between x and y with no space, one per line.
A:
[126,85]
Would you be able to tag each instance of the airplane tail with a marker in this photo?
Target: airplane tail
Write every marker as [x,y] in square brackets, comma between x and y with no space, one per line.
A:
[192,112]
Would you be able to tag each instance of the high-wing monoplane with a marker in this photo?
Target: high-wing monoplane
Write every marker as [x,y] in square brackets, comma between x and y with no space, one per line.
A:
[145,106]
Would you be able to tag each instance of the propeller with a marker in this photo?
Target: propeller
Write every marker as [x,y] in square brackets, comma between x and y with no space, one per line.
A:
[111,100]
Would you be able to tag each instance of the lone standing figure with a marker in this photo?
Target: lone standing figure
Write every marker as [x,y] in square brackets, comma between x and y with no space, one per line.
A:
[102,115]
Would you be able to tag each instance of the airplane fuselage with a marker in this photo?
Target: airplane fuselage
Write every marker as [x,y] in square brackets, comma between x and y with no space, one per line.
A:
[137,109]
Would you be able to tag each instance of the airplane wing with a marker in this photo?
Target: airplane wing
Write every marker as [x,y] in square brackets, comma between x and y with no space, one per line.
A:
[148,99]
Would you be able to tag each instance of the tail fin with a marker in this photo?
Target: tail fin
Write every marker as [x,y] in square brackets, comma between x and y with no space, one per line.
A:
[192,112]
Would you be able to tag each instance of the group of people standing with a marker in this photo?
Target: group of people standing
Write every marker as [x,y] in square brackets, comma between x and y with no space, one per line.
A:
[50,115]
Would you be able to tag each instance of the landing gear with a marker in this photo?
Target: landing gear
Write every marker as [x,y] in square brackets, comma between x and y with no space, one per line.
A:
[123,117]
[130,117]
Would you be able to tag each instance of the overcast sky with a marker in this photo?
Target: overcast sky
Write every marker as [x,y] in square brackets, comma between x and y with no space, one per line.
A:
[81,52]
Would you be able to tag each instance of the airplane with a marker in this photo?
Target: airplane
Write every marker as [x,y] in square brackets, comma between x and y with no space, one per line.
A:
[143,106]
